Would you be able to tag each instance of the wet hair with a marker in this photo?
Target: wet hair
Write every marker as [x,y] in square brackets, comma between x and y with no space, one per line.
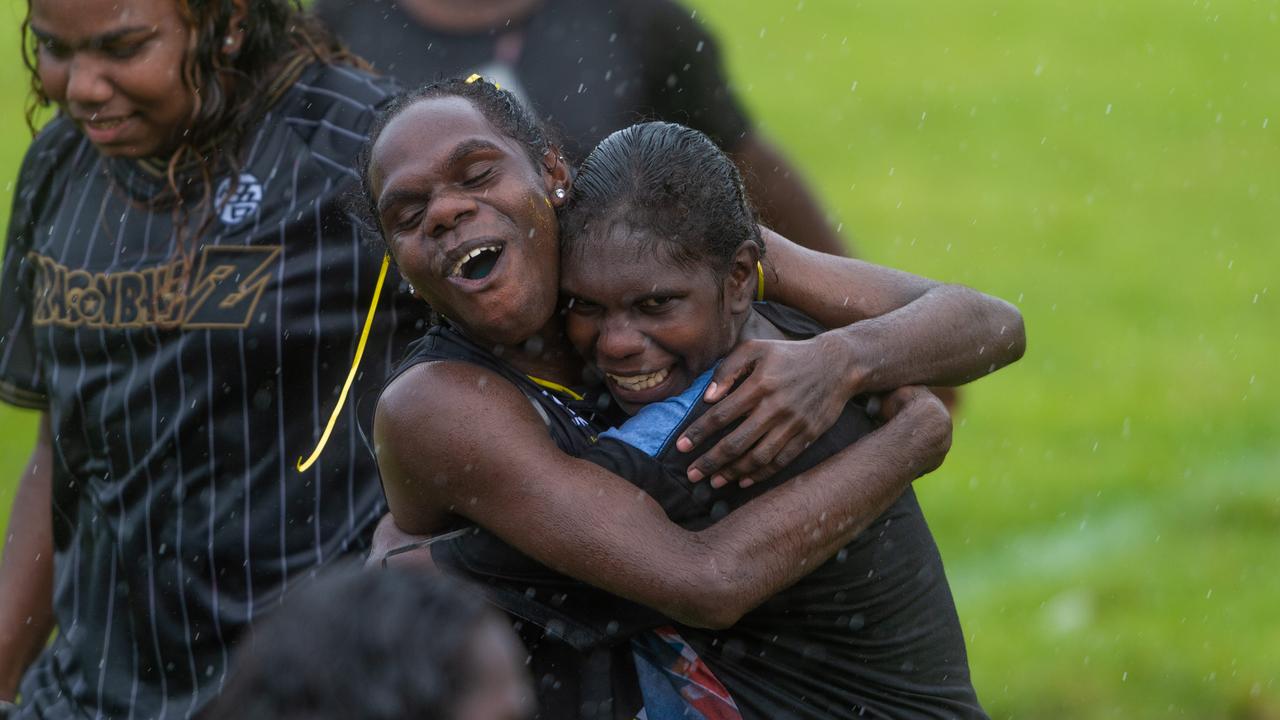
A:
[359,644]
[502,109]
[671,185]
[231,92]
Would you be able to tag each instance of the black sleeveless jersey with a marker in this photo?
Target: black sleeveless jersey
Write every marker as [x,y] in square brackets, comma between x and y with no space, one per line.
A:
[181,397]
[872,632]
[577,670]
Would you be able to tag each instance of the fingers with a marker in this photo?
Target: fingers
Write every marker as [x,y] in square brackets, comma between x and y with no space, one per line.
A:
[731,448]
[719,416]
[765,459]
[892,403]
[740,362]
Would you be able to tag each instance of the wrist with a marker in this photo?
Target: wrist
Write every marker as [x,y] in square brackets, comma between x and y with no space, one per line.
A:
[845,354]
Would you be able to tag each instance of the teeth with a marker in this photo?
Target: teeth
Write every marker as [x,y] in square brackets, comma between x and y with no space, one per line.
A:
[456,270]
[105,124]
[640,382]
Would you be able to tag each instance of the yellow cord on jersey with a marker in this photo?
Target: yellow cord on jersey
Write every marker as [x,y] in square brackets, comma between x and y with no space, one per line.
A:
[303,465]
[759,281]
[554,387]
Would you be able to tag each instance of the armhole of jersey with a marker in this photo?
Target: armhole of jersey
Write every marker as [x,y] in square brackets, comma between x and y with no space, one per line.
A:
[542,412]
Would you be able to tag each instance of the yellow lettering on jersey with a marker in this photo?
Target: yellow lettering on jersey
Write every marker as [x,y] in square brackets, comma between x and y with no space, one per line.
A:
[228,286]
[229,283]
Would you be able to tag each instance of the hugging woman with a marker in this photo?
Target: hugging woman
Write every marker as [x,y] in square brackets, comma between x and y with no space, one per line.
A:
[481,423]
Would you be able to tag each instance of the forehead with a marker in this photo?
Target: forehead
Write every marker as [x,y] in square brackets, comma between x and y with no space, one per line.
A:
[84,19]
[424,135]
[617,259]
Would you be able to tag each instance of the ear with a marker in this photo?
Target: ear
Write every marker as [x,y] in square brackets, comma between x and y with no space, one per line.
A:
[556,175]
[740,283]
[234,39]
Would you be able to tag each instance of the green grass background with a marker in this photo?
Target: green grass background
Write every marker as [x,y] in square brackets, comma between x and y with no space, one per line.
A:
[1110,513]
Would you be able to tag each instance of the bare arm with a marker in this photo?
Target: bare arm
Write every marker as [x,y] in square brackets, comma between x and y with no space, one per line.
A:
[26,571]
[784,199]
[895,328]
[892,329]
[457,439]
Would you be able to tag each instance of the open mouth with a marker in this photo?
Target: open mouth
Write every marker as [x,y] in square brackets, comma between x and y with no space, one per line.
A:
[644,381]
[106,123]
[478,263]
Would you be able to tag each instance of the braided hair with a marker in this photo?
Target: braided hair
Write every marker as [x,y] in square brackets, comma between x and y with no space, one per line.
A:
[671,181]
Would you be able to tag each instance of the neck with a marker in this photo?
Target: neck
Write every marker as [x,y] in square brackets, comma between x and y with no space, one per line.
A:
[469,16]
[755,327]
[546,354]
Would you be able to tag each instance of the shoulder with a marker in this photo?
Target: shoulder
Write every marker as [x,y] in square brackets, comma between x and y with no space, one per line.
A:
[52,148]
[793,323]
[446,396]
[50,159]
[331,107]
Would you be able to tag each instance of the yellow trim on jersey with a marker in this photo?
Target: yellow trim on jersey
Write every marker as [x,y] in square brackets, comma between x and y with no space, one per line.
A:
[759,281]
[303,465]
[554,387]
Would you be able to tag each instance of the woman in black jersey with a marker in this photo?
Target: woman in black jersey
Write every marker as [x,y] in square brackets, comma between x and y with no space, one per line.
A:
[464,187]
[871,632]
[181,291]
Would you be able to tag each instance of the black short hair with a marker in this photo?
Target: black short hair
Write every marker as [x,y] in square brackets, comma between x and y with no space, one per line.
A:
[673,183]
[358,644]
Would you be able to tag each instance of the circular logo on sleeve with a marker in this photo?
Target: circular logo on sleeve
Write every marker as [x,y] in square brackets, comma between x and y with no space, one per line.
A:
[235,205]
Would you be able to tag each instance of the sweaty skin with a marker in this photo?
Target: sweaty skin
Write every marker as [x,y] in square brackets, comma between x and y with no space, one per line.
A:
[445,182]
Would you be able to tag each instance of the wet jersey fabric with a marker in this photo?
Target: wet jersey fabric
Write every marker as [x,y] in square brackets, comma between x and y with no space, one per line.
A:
[588,67]
[181,394]
[578,667]
[872,632]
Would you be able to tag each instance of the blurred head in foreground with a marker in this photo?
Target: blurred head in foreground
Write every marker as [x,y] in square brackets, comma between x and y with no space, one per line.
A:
[373,645]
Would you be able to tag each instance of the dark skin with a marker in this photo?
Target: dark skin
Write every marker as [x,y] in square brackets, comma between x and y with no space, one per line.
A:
[898,329]
[445,183]
[114,69]
[26,574]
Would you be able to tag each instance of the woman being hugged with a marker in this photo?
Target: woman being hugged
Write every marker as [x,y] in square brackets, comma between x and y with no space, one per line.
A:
[181,291]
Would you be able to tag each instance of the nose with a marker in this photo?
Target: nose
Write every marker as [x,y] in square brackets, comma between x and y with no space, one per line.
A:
[619,339]
[88,84]
[447,211]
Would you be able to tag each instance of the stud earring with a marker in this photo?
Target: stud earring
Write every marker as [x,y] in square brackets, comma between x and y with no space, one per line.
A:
[560,193]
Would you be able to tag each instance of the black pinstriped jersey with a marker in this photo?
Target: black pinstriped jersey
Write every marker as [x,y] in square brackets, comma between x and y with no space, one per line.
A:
[181,394]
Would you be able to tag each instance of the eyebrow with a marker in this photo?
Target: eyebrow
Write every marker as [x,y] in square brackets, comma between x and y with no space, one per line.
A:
[469,147]
[96,41]
[464,149]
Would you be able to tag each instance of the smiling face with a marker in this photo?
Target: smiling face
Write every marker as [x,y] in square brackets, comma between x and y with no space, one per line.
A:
[649,324]
[115,68]
[469,218]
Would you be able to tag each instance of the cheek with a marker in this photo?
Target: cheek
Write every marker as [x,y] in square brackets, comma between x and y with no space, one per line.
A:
[53,78]
[582,332]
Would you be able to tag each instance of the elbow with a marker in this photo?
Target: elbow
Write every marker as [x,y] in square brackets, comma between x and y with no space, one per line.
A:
[717,596]
[1013,331]
[932,435]
[1001,326]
